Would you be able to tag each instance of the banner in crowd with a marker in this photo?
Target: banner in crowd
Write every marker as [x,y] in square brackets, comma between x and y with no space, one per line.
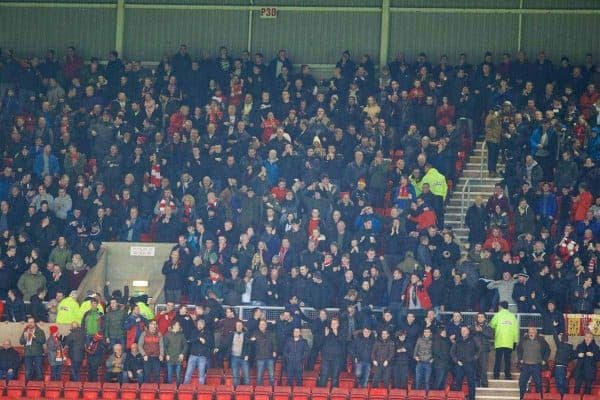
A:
[577,324]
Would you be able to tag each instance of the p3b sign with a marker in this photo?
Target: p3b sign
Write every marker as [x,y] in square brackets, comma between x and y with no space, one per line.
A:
[269,12]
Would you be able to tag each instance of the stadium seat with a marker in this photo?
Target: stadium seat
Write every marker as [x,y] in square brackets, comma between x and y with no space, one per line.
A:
[224,392]
[71,390]
[53,390]
[436,395]
[572,396]
[339,393]
[378,393]
[397,394]
[90,390]
[262,393]
[243,392]
[319,393]
[301,393]
[455,395]
[282,392]
[346,380]
[532,396]
[552,396]
[129,391]
[148,391]
[417,394]
[309,379]
[359,394]
[167,391]
[110,391]
[33,389]
[14,389]
[214,377]
[204,392]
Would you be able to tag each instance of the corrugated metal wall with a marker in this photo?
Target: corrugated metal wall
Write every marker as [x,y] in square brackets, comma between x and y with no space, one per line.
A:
[437,34]
[32,31]
[318,37]
[558,35]
[310,36]
[151,33]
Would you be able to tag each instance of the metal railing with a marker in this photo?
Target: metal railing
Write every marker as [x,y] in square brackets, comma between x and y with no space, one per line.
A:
[465,197]
[482,160]
[272,313]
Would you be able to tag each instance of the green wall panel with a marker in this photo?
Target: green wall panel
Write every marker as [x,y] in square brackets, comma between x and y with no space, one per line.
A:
[456,4]
[561,4]
[31,31]
[451,34]
[571,35]
[318,37]
[149,34]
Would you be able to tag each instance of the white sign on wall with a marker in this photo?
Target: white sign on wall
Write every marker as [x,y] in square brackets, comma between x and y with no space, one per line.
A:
[142,251]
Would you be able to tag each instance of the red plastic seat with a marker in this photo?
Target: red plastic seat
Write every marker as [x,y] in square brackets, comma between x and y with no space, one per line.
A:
[33,389]
[243,392]
[15,389]
[378,394]
[455,395]
[552,396]
[571,396]
[397,394]
[532,396]
[359,394]
[204,393]
[129,391]
[339,393]
[148,391]
[262,393]
[167,391]
[53,390]
[214,377]
[301,393]
[436,395]
[319,393]
[417,394]
[110,391]
[346,380]
[282,392]
[309,379]
[71,390]
[224,392]
[90,390]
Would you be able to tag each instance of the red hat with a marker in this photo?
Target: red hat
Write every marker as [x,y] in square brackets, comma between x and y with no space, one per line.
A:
[53,329]
[98,336]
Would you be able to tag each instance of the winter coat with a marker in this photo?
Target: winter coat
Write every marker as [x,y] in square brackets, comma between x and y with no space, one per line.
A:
[175,344]
[441,351]
[113,323]
[265,344]
[295,351]
[424,349]
[333,346]
[585,368]
[36,345]
[383,350]
[506,329]
[75,341]
[202,348]
[465,350]
[362,348]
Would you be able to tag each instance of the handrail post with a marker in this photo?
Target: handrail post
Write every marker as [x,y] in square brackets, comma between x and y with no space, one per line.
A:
[481,162]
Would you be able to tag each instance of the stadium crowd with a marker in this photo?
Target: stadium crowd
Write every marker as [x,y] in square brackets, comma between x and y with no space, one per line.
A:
[278,189]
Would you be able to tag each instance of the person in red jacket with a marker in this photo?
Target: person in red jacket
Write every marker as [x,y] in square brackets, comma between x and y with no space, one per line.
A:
[495,242]
[587,100]
[422,215]
[178,119]
[581,204]
[165,318]
[416,295]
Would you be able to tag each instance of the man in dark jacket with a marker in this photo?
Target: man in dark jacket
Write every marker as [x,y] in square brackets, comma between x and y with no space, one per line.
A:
[200,347]
[9,361]
[237,345]
[33,339]
[361,350]
[333,354]
[588,354]
[484,334]
[564,355]
[533,352]
[75,344]
[294,353]
[465,352]
[401,361]
[265,352]
[113,323]
[440,349]
[382,354]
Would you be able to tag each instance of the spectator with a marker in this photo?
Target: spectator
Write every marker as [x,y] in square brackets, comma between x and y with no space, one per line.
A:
[75,345]
[152,349]
[237,345]
[440,350]
[200,348]
[587,353]
[532,352]
[115,365]
[423,355]
[134,365]
[506,336]
[564,355]
[465,352]
[332,354]
[294,354]
[175,351]
[484,334]
[33,339]
[10,361]
[381,356]
[265,352]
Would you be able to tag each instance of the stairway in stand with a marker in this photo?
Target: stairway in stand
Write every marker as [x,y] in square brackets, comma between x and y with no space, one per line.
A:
[474,181]
[499,389]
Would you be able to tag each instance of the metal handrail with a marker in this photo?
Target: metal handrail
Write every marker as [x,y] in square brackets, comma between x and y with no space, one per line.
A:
[466,186]
[481,162]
